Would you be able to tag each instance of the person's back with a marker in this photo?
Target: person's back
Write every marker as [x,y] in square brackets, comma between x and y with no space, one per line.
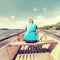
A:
[30,35]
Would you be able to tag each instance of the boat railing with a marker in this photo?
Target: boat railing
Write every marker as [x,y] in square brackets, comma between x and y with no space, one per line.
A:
[47,33]
[6,40]
[17,34]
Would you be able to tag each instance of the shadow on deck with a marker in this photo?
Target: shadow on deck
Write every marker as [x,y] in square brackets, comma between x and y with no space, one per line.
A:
[31,50]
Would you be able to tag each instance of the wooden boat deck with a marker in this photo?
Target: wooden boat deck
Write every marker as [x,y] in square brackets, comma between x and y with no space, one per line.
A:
[33,53]
[35,56]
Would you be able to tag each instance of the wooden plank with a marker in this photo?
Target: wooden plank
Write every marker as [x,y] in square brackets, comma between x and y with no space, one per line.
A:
[22,48]
[37,43]
[25,57]
[21,58]
[28,57]
[40,47]
[32,57]
[26,47]
[38,58]
[38,50]
[32,49]
[35,56]
[35,53]
[18,56]
[44,56]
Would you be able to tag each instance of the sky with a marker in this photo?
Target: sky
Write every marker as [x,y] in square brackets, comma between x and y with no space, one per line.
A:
[14,14]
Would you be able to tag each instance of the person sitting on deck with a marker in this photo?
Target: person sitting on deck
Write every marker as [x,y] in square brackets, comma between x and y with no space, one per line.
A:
[30,36]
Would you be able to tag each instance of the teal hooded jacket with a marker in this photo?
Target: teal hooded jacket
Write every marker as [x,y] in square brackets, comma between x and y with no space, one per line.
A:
[31,32]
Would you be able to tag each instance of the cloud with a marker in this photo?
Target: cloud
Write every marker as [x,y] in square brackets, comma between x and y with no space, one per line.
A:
[40,17]
[54,13]
[44,10]
[39,20]
[58,17]
[8,23]
[42,20]
[19,24]
[35,9]
[4,18]
[12,17]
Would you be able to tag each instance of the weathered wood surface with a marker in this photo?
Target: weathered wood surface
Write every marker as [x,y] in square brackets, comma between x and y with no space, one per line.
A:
[34,56]
[33,53]
[37,43]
